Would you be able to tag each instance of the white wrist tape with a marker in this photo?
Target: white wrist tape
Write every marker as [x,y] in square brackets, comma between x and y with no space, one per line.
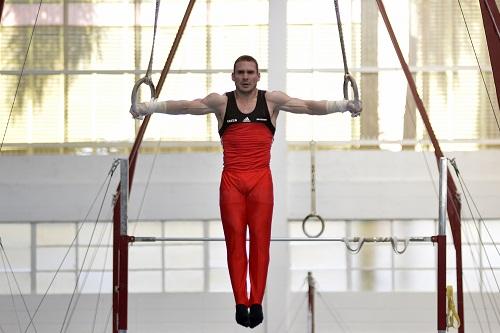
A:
[336,106]
[156,107]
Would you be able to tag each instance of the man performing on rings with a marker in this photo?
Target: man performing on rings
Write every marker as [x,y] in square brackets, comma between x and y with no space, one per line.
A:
[247,120]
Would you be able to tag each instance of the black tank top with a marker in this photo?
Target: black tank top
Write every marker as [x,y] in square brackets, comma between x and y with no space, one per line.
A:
[259,115]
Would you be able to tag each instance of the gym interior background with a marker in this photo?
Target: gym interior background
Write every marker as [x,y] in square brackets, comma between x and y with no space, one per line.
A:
[64,118]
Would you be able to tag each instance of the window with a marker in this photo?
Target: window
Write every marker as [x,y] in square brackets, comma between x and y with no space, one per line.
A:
[36,251]
[81,68]
[434,41]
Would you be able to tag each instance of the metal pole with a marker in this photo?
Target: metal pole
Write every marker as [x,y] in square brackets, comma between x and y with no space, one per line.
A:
[281,239]
[311,292]
[441,245]
[313,177]
[123,196]
[123,248]
[443,194]
[120,252]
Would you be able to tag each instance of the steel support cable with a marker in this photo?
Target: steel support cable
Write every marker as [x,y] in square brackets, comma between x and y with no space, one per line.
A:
[146,187]
[87,251]
[135,148]
[453,206]
[78,294]
[348,78]
[31,316]
[467,229]
[482,245]
[119,298]
[109,175]
[493,301]
[467,192]
[108,319]
[22,72]
[333,312]
[10,289]
[92,260]
[153,163]
[338,319]
[479,65]
[313,214]
[295,315]
[478,233]
[155,157]
[479,277]
[168,63]
[474,307]
[150,65]
[101,280]
[290,305]
[147,77]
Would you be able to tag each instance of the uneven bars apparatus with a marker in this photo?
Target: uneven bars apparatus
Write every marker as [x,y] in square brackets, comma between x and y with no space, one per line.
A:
[122,239]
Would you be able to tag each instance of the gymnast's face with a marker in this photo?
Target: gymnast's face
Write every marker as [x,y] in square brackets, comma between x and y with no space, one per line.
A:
[245,76]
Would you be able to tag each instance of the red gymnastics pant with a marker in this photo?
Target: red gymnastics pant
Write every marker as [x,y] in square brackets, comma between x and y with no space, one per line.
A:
[246,199]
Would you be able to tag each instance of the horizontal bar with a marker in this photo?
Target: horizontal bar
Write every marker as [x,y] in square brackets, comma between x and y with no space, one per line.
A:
[285,239]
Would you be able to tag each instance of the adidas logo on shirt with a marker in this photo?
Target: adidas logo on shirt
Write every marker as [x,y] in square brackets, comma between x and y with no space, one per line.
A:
[246,120]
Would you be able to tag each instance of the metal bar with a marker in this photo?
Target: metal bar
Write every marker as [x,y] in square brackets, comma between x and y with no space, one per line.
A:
[281,239]
[441,246]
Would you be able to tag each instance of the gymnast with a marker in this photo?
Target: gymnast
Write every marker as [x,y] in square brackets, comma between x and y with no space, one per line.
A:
[247,122]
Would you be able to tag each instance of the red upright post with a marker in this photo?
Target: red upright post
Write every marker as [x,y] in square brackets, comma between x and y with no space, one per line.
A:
[491,22]
[120,238]
[1,9]
[120,252]
[441,283]
[310,296]
[441,245]
[453,199]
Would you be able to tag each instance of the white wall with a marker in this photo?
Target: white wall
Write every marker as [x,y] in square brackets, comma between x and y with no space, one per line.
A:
[351,185]
[213,313]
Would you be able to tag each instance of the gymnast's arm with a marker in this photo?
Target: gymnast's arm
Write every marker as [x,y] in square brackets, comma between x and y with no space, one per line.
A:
[295,105]
[210,104]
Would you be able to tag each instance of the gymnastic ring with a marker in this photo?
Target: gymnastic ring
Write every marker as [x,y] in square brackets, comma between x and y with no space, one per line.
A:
[356,250]
[394,243]
[348,78]
[310,216]
[133,97]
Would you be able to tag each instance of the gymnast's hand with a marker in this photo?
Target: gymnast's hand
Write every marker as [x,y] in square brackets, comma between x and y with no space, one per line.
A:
[354,107]
[139,110]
